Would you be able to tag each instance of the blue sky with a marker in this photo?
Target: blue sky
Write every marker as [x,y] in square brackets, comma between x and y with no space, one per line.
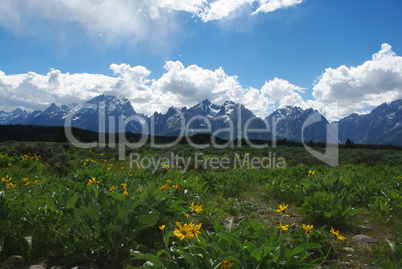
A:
[264,54]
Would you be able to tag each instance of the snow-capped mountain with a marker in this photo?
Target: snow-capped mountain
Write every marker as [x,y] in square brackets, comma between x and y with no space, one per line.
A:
[93,115]
[221,120]
[288,123]
[106,113]
[383,125]
[6,117]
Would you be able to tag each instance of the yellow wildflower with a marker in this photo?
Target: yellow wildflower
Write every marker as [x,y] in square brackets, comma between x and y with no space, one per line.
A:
[311,172]
[10,186]
[162,227]
[340,237]
[177,187]
[307,227]
[91,181]
[196,208]
[164,187]
[112,188]
[282,208]
[187,215]
[125,188]
[332,231]
[337,234]
[227,264]
[194,230]
[182,231]
[5,179]
[169,181]
[139,190]
[284,227]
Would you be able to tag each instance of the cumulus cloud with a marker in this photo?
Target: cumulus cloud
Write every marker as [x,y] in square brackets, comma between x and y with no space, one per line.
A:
[179,86]
[374,82]
[113,20]
[192,84]
[36,91]
[282,91]
[354,88]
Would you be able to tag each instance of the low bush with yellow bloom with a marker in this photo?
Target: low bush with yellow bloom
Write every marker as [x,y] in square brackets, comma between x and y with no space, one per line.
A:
[187,230]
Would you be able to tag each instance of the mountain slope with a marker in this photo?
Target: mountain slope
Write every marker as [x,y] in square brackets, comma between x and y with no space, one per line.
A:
[383,125]
[105,113]
[221,120]
[288,122]
[7,117]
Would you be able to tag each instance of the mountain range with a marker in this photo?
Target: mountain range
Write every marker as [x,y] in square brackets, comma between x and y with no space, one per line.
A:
[105,113]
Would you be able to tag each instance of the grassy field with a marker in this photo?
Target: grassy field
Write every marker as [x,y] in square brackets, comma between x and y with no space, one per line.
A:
[61,205]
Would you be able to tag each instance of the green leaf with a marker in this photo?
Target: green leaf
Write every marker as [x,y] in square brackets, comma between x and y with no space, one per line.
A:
[50,203]
[395,254]
[94,211]
[379,262]
[164,251]
[146,221]
[302,248]
[230,239]
[29,241]
[117,196]
[71,202]
[259,253]
[149,257]
[249,246]
[281,256]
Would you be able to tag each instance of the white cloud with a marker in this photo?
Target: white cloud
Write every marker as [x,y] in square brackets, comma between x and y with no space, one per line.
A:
[282,91]
[374,82]
[222,9]
[272,5]
[195,83]
[370,84]
[192,84]
[35,91]
[179,86]
[121,20]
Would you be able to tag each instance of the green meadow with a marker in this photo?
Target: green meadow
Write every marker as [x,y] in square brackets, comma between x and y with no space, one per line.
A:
[181,208]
